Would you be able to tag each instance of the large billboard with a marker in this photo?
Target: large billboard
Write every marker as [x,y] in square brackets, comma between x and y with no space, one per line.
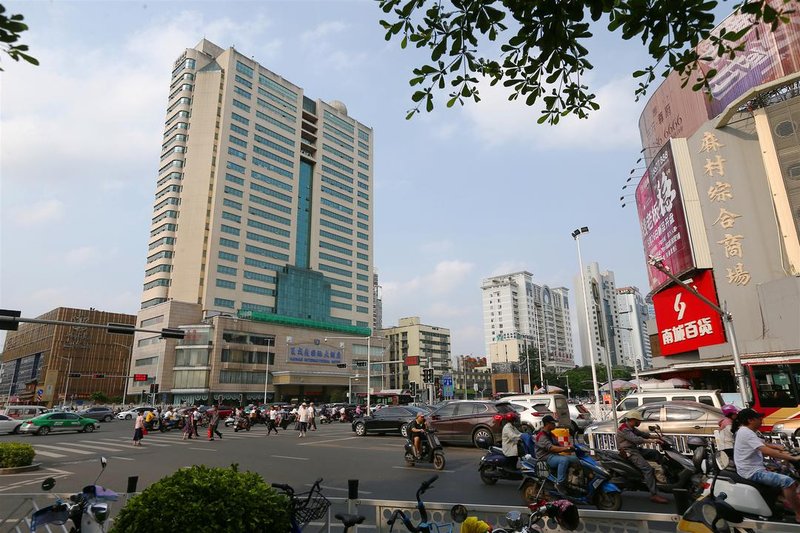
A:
[767,55]
[663,222]
[686,323]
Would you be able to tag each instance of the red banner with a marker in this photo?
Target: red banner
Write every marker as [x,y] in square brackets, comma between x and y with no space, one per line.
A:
[686,323]
[412,360]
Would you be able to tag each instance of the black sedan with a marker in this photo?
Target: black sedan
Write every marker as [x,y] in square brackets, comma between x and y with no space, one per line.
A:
[102,414]
[391,419]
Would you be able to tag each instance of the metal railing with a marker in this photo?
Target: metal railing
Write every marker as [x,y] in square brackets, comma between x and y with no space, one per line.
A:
[608,441]
[379,511]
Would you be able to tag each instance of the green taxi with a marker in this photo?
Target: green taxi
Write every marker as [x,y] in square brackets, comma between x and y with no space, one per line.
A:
[44,424]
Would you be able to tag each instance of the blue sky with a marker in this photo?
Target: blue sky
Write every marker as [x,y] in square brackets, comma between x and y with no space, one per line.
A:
[460,194]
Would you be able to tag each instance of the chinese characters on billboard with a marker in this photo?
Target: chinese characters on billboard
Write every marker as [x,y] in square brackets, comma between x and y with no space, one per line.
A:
[686,323]
[663,222]
[314,354]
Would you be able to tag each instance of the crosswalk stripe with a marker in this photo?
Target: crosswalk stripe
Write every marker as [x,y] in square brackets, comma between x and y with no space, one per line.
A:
[103,447]
[63,449]
[116,442]
[48,454]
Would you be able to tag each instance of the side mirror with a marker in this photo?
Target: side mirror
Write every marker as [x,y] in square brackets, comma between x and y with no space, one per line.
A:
[48,483]
[654,428]
[458,513]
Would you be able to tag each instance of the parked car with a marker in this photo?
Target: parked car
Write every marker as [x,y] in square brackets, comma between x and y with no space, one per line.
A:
[21,412]
[555,403]
[675,418]
[9,425]
[102,414]
[389,419]
[133,413]
[466,421]
[708,397]
[580,417]
[44,424]
[530,416]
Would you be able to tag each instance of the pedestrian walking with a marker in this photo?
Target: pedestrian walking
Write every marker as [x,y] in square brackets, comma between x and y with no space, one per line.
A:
[312,414]
[213,424]
[302,419]
[272,420]
[195,420]
[138,430]
[188,429]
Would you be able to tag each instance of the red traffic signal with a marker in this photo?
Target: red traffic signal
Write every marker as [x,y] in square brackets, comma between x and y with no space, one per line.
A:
[140,377]
[99,375]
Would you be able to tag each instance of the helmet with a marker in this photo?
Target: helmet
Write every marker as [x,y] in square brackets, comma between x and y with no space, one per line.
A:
[729,409]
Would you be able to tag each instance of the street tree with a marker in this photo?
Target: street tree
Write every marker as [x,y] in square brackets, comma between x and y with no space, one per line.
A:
[11,28]
[543,52]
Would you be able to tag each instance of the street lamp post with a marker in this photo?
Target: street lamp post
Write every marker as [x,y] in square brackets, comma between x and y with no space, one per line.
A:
[266,372]
[575,235]
[130,366]
[369,363]
[66,382]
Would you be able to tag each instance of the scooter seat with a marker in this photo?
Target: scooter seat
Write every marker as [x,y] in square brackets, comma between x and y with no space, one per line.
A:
[730,474]
[496,449]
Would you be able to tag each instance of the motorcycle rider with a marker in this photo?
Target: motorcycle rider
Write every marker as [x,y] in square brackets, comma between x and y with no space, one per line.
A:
[748,455]
[725,434]
[511,437]
[417,430]
[547,449]
[629,440]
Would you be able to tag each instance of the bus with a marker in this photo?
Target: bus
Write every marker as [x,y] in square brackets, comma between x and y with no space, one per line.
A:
[386,397]
[776,389]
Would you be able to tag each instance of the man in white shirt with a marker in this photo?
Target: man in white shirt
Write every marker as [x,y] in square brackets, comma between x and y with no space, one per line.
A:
[748,455]
[302,417]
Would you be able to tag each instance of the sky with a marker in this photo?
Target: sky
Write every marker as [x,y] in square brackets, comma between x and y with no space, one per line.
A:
[461,194]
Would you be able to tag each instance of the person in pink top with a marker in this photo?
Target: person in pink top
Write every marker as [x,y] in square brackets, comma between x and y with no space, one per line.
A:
[138,430]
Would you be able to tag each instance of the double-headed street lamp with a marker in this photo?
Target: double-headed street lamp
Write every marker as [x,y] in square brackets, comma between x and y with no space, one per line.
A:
[369,362]
[575,235]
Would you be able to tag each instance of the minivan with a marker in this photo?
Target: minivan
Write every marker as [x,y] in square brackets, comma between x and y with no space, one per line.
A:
[22,412]
[555,403]
[712,398]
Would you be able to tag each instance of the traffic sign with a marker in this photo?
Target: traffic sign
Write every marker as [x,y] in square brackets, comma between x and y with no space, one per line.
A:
[140,377]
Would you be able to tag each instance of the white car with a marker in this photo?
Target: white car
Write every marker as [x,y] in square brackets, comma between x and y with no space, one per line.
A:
[9,425]
[133,413]
[530,416]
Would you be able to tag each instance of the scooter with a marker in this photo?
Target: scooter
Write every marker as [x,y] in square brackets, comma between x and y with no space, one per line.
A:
[88,510]
[241,423]
[562,515]
[494,465]
[172,423]
[432,451]
[589,484]
[678,469]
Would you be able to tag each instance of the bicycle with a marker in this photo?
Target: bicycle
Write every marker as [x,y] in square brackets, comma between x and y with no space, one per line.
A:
[305,506]
[424,526]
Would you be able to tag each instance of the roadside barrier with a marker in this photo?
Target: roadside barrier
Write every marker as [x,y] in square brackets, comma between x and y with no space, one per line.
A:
[15,511]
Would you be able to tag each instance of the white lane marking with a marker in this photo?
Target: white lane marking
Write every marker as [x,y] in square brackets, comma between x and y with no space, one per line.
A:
[64,448]
[48,454]
[29,482]
[123,458]
[116,442]
[287,457]
[324,441]
[204,449]
[420,469]
[108,447]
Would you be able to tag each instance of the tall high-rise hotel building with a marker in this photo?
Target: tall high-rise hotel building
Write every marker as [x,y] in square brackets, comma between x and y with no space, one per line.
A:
[263,210]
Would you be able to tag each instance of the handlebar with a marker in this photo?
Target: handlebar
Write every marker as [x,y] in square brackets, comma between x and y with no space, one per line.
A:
[423,514]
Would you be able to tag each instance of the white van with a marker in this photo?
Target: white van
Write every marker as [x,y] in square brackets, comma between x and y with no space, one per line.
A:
[707,397]
[23,412]
[555,403]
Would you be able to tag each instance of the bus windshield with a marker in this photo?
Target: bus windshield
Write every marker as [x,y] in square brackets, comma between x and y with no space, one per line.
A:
[777,385]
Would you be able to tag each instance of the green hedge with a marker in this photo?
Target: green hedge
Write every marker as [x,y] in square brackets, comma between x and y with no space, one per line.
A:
[15,454]
[203,499]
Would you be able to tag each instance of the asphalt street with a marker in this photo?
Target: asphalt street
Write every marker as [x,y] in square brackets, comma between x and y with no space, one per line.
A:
[333,453]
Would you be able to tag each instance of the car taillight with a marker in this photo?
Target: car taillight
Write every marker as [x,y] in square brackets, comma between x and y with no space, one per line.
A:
[497,418]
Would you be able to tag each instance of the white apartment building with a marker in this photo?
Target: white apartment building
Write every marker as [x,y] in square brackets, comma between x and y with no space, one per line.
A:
[519,314]
[263,211]
[603,316]
[633,317]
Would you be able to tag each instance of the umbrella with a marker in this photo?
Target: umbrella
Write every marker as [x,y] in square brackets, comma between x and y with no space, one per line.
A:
[619,384]
[550,388]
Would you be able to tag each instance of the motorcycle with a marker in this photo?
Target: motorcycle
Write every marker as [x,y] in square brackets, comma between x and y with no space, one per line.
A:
[88,510]
[172,423]
[242,423]
[561,514]
[587,484]
[432,451]
[494,465]
[679,471]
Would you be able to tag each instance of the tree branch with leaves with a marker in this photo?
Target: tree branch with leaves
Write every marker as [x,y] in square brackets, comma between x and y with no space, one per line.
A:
[544,57]
[11,28]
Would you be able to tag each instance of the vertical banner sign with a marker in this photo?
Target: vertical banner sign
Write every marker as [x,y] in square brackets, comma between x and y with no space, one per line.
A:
[663,222]
[686,323]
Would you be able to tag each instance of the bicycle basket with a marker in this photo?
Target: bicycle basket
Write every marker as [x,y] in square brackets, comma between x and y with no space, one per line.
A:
[309,506]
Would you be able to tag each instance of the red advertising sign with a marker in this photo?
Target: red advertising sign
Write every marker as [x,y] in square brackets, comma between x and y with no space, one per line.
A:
[412,360]
[685,322]
[140,377]
[663,222]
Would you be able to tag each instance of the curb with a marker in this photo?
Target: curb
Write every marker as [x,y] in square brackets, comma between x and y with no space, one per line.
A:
[20,469]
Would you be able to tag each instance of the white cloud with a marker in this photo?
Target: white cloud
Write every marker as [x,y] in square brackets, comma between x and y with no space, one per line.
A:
[436,247]
[498,121]
[446,276]
[322,31]
[39,213]
[82,255]
[508,267]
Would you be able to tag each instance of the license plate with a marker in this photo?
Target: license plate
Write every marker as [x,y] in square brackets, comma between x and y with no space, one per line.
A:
[597,482]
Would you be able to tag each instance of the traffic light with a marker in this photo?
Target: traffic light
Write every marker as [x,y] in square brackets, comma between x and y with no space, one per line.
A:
[412,388]
[154,388]
[74,374]
[99,375]
[140,377]
[427,375]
